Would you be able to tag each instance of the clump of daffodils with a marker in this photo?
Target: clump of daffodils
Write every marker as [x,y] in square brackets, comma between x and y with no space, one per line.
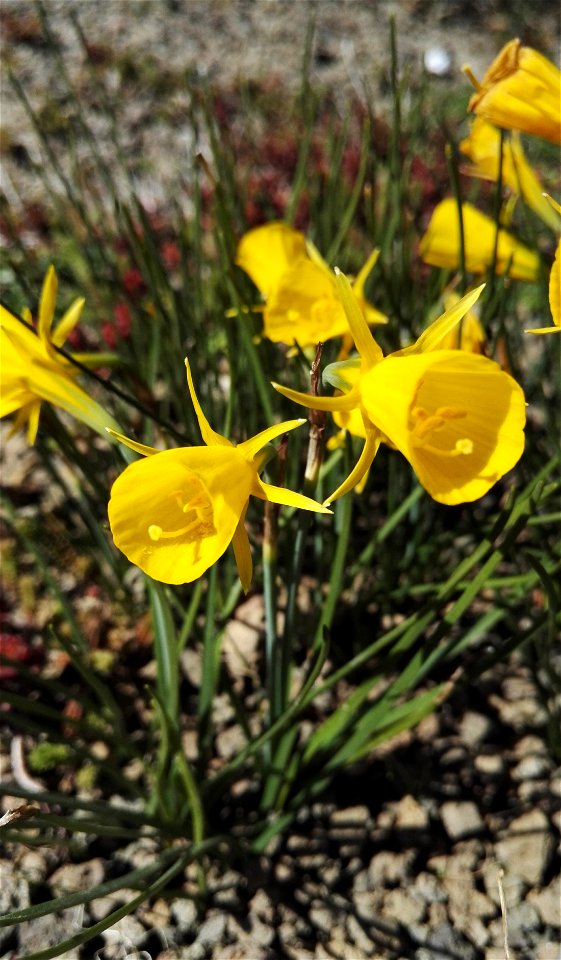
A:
[33,370]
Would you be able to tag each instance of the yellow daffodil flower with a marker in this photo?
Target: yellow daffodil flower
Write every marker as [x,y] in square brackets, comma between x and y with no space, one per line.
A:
[554,296]
[521,90]
[483,147]
[456,417]
[174,513]
[440,245]
[32,370]
[554,282]
[301,300]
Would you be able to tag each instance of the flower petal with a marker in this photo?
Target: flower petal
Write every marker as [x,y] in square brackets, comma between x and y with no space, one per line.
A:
[47,306]
[210,437]
[440,245]
[249,448]
[268,491]
[361,467]
[345,402]
[304,306]
[367,347]
[174,514]
[140,448]
[440,328]
[267,251]
[242,552]
[457,417]
[67,323]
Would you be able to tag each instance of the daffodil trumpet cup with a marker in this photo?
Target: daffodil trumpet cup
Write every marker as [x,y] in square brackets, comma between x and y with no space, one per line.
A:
[457,417]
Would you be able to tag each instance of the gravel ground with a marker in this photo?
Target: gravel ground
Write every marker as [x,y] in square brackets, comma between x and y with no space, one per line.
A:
[407,859]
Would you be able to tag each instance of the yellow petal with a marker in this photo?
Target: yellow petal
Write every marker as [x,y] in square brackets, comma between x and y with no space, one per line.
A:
[457,417]
[266,252]
[370,352]
[47,305]
[242,553]
[432,337]
[483,147]
[250,448]
[174,514]
[344,402]
[267,491]
[440,246]
[304,307]
[140,448]
[555,287]
[68,322]
[210,437]
[362,466]
[521,90]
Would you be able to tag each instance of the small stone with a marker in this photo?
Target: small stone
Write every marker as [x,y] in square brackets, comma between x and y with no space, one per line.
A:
[127,931]
[489,764]
[322,917]
[331,873]
[73,877]
[474,728]
[461,819]
[410,815]
[444,942]
[387,868]
[101,907]
[358,936]
[522,921]
[513,885]
[548,903]
[403,906]
[140,853]
[230,742]
[212,931]
[185,915]
[547,950]
[527,847]
[32,866]
[428,888]
[531,767]
[530,745]
[367,905]
[530,791]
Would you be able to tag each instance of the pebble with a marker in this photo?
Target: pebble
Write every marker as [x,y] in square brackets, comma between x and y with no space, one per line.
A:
[403,906]
[410,815]
[461,819]
[489,764]
[523,921]
[126,933]
[185,913]
[474,728]
[211,931]
[357,934]
[388,868]
[548,902]
[531,767]
[428,888]
[527,847]
[72,877]
[445,942]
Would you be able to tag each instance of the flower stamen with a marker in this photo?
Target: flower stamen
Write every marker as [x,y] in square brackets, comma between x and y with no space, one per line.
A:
[194,501]
[424,425]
